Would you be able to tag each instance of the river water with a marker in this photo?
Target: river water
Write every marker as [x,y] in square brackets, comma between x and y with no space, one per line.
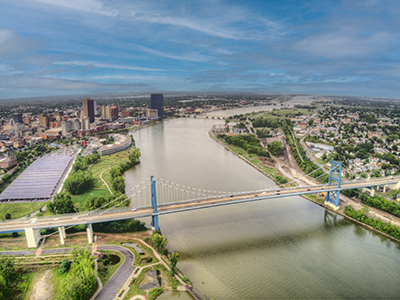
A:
[276,249]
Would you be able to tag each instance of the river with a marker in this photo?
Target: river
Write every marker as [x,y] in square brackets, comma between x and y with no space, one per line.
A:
[275,249]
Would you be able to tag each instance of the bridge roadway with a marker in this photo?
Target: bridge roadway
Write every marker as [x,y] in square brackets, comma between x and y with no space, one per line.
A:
[122,214]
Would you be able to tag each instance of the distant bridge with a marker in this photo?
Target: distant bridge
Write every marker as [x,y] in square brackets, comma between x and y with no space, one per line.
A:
[204,116]
[168,198]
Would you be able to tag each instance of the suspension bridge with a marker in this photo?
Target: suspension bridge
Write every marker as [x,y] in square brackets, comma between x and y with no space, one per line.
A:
[156,196]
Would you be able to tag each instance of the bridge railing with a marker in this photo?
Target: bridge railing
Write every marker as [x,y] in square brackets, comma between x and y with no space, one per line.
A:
[88,213]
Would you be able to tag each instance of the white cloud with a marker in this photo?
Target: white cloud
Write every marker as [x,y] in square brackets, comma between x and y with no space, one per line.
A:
[103,65]
[345,42]
[87,6]
[211,23]
[12,44]
[195,57]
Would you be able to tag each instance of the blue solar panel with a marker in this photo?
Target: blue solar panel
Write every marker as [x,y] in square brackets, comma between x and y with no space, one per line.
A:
[39,180]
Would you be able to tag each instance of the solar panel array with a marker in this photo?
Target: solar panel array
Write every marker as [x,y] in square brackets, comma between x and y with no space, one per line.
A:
[40,179]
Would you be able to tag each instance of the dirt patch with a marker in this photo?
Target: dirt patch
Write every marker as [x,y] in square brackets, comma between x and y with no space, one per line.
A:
[43,288]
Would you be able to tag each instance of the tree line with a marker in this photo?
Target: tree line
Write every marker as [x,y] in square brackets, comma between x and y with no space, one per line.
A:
[118,182]
[248,142]
[362,216]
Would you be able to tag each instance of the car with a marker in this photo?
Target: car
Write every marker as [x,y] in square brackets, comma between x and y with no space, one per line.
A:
[308,189]
[134,209]
[231,196]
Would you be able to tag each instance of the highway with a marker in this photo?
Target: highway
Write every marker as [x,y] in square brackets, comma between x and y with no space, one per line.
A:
[129,213]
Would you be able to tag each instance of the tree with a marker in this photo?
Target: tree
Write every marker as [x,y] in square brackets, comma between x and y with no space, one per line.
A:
[362,153]
[62,204]
[8,275]
[118,184]
[310,122]
[159,242]
[7,216]
[173,259]
[275,148]
[80,281]
[394,194]
[79,182]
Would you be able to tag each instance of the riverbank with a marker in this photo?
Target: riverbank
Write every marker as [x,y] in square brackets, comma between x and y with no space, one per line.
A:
[313,198]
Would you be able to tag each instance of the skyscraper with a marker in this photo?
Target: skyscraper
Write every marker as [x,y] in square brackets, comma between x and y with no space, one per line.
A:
[106,112]
[88,109]
[157,102]
[114,112]
[17,118]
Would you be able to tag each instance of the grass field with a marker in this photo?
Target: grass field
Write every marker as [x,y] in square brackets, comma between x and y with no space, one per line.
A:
[104,164]
[19,210]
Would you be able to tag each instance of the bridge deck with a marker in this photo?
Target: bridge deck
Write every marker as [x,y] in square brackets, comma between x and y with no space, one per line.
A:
[107,216]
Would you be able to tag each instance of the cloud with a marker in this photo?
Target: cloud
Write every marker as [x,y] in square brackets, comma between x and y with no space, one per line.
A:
[202,18]
[103,65]
[85,6]
[12,45]
[343,43]
[54,83]
[195,57]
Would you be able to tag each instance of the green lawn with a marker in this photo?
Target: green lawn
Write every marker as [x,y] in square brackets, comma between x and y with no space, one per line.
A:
[18,210]
[103,164]
[320,161]
[97,192]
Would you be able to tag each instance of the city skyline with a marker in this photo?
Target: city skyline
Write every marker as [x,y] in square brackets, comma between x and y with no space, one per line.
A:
[51,48]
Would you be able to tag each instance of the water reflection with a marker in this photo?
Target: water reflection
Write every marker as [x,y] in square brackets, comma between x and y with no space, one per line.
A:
[286,248]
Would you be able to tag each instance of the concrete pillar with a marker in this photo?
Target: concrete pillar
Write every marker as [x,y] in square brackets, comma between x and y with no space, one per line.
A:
[372,192]
[89,230]
[384,188]
[32,237]
[61,231]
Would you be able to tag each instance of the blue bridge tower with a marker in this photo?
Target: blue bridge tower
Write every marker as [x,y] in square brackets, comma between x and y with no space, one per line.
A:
[335,174]
[154,217]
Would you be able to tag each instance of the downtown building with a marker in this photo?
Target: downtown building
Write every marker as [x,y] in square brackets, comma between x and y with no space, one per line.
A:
[157,102]
[88,109]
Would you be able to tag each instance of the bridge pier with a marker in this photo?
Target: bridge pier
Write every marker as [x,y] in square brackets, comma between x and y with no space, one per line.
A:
[394,186]
[371,191]
[89,231]
[32,237]
[61,231]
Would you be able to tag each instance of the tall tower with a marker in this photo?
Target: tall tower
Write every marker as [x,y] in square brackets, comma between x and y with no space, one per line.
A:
[88,109]
[157,102]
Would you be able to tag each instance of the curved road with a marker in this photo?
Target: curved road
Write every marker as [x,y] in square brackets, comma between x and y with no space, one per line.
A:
[110,289]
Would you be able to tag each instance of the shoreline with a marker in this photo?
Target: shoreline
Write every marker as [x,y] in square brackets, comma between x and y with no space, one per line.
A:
[339,212]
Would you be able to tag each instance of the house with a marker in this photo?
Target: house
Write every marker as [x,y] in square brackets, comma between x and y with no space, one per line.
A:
[8,162]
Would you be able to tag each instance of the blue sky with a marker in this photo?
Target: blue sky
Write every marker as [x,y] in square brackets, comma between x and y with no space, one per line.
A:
[66,47]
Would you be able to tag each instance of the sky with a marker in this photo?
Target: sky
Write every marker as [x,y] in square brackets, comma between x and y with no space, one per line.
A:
[75,47]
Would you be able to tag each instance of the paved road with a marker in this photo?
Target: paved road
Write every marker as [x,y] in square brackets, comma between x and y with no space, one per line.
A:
[110,290]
